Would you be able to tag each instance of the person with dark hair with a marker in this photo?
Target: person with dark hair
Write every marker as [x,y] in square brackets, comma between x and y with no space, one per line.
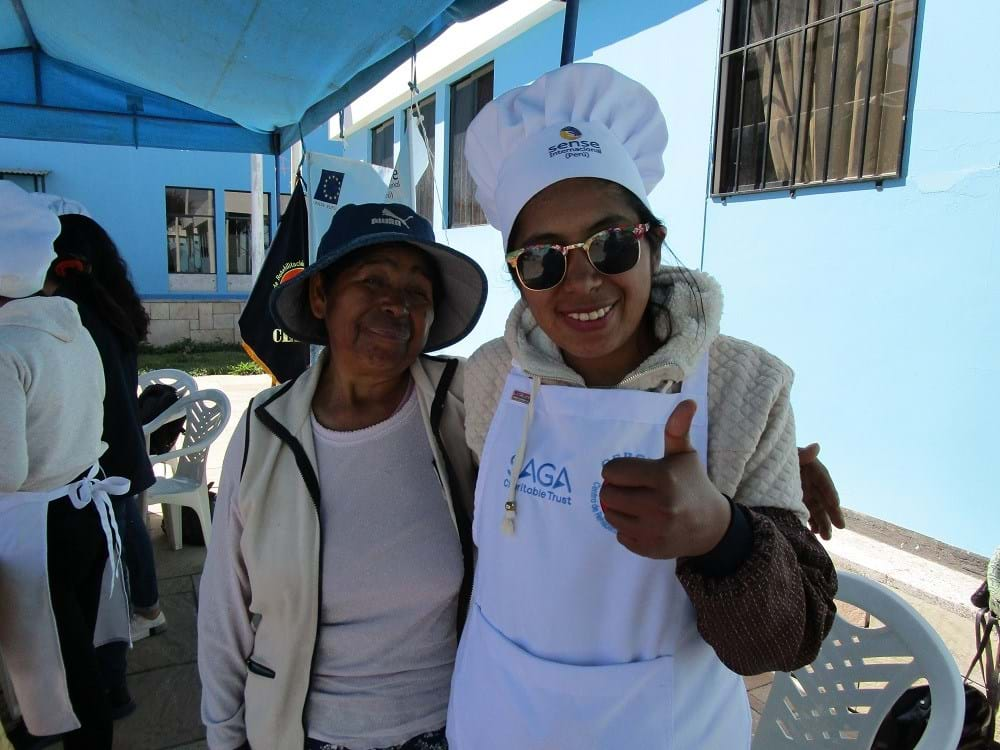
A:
[90,271]
[638,512]
[57,527]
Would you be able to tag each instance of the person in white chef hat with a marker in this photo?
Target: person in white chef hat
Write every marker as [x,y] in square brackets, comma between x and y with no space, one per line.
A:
[56,525]
[638,512]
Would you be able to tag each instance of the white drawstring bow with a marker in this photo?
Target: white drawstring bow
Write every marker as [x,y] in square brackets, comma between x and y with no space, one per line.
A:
[92,490]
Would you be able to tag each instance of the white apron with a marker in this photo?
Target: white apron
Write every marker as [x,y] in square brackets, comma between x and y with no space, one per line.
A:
[29,639]
[572,641]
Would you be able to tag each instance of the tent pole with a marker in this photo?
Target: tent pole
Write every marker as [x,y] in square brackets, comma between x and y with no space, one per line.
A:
[275,209]
[256,213]
[569,31]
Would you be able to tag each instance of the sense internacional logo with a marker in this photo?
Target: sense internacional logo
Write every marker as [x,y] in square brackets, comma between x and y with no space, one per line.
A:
[572,145]
[595,492]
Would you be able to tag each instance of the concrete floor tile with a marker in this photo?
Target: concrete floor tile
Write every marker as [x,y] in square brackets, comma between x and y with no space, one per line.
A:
[175,585]
[187,561]
[758,697]
[178,645]
[757,681]
[169,711]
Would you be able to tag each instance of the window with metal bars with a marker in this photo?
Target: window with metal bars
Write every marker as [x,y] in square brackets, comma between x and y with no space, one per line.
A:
[811,92]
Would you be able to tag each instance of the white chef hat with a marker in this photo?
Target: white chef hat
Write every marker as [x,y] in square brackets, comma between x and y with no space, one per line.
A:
[61,206]
[27,230]
[580,120]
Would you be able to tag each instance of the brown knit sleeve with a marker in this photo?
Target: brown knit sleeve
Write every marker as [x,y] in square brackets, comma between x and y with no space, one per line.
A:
[773,613]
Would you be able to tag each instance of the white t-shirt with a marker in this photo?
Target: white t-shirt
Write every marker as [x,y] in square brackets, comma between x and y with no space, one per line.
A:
[391,573]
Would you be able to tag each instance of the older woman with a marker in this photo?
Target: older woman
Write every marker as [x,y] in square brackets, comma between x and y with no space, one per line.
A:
[341,558]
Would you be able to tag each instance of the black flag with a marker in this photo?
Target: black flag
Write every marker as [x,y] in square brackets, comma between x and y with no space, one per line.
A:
[280,355]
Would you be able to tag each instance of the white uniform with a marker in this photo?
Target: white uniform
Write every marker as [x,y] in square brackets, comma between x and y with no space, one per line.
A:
[52,388]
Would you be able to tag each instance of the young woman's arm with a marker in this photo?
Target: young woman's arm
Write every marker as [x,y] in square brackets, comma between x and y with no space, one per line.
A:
[772,612]
[225,635]
[764,596]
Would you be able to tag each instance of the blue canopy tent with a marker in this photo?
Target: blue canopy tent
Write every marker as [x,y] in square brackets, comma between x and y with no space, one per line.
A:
[249,77]
[234,76]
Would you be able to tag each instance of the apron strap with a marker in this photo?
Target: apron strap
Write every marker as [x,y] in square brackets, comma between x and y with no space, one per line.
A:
[507,526]
[92,490]
[697,380]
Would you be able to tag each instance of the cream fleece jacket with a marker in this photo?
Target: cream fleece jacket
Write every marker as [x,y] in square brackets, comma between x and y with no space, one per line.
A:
[51,392]
[752,455]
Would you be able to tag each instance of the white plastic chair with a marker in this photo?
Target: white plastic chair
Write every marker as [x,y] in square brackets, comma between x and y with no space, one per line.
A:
[182,381]
[206,414]
[841,699]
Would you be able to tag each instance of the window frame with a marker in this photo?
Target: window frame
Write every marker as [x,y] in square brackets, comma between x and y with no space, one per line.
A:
[226,214]
[377,130]
[721,131]
[487,68]
[213,254]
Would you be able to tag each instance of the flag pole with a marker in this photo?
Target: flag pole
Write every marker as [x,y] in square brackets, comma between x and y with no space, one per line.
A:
[569,31]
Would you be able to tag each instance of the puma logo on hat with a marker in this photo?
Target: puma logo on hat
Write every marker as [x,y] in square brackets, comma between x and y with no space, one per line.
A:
[388,217]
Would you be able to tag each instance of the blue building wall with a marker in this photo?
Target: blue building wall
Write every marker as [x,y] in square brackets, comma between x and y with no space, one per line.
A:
[885,301]
[882,300]
[123,188]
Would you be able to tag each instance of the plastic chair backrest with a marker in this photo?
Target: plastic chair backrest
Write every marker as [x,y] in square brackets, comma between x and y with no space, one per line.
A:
[182,381]
[207,415]
[841,698]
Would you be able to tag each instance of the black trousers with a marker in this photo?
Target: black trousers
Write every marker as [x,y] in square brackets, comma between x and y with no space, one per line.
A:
[77,552]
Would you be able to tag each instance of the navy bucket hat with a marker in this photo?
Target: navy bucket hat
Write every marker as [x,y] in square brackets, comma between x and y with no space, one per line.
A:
[356,227]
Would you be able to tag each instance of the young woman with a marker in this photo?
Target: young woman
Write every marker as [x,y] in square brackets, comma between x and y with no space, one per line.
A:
[90,271]
[638,511]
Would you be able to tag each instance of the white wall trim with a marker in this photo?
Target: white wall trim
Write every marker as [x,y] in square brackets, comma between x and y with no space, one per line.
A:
[191,282]
[456,48]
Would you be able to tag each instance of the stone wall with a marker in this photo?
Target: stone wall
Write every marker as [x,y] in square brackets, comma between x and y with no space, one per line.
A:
[200,321]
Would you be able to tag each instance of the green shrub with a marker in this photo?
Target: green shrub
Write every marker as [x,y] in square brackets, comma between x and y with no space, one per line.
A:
[198,358]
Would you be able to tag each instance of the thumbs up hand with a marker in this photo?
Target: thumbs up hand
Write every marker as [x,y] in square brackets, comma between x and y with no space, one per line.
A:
[667,507]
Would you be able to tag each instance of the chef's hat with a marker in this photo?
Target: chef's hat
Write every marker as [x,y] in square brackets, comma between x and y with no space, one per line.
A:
[581,120]
[61,206]
[27,230]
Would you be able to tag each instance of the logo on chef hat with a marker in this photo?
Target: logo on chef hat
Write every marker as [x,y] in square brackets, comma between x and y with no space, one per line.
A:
[572,145]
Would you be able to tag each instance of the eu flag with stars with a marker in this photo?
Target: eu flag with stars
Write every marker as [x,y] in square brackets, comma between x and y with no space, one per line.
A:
[329,187]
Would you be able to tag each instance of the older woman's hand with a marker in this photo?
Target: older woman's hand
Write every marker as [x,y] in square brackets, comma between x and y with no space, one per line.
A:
[666,508]
[819,493]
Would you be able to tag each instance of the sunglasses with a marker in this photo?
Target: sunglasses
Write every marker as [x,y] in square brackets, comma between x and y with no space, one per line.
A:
[612,251]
